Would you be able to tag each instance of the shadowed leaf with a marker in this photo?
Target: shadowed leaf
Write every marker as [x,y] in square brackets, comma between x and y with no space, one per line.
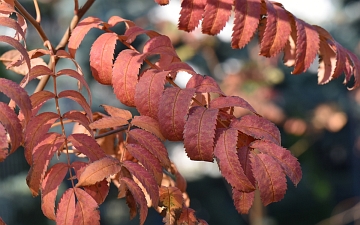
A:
[171,198]
[217,13]
[86,211]
[149,124]
[79,98]
[11,123]
[231,101]
[87,145]
[243,200]
[66,209]
[191,13]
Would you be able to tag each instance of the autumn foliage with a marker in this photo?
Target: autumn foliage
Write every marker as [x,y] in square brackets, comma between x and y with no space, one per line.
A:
[128,151]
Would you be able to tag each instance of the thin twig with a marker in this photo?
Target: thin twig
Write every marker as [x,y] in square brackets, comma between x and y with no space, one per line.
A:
[37,9]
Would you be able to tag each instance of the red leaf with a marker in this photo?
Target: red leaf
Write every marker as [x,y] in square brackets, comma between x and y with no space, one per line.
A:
[148,92]
[191,13]
[243,153]
[53,178]
[355,68]
[269,176]
[171,198]
[247,16]
[38,71]
[108,122]
[135,31]
[98,171]
[149,124]
[87,145]
[66,209]
[138,196]
[204,84]
[288,162]
[116,112]
[199,133]
[187,217]
[125,75]
[148,160]
[257,127]
[173,107]
[229,164]
[80,118]
[8,22]
[98,191]
[79,98]
[243,200]
[217,13]
[159,45]
[101,57]
[42,154]
[78,34]
[231,101]
[18,94]
[16,44]
[152,144]
[276,31]
[3,144]
[117,19]
[86,211]
[39,98]
[37,127]
[146,179]
[307,45]
[180,181]
[11,123]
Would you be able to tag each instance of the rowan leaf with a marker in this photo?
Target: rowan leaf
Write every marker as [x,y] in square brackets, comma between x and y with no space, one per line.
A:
[149,124]
[146,179]
[243,200]
[125,75]
[257,127]
[108,122]
[79,98]
[37,127]
[117,19]
[8,22]
[199,133]
[38,71]
[78,34]
[216,14]
[269,176]
[87,145]
[173,107]
[152,144]
[86,211]
[243,153]
[99,170]
[227,158]
[41,156]
[3,144]
[18,94]
[148,92]
[276,30]
[138,196]
[171,198]
[355,68]
[231,101]
[204,84]
[116,112]
[79,117]
[39,98]
[191,13]
[180,181]
[148,160]
[187,217]
[247,16]
[13,61]
[282,156]
[11,123]
[159,45]
[66,208]
[17,45]
[135,31]
[53,178]
[98,191]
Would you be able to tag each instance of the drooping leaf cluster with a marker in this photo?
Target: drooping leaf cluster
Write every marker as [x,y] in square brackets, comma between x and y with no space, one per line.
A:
[128,151]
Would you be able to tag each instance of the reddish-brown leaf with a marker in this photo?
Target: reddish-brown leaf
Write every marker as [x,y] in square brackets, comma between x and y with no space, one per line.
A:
[257,127]
[42,154]
[199,133]
[191,13]
[229,164]
[148,92]
[8,22]
[243,200]
[101,57]
[108,122]
[86,211]
[78,34]
[173,107]
[287,161]
[148,160]
[146,179]
[98,191]
[231,101]
[79,98]
[276,30]
[37,127]
[98,171]
[187,217]
[159,45]
[204,84]
[152,144]
[18,94]
[117,19]
[39,98]
[38,71]
[79,117]
[149,124]
[269,176]
[87,145]
[247,16]
[66,208]
[138,196]
[355,68]
[243,153]
[53,178]
[125,75]
[135,31]
[171,198]
[11,123]
[16,44]
[3,144]
[217,13]
[116,112]
[180,181]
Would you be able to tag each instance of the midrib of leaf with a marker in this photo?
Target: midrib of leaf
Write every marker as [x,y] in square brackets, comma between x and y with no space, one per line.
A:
[173,112]
[102,168]
[217,12]
[199,134]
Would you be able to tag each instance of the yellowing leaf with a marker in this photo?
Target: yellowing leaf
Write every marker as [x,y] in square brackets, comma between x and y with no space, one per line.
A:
[171,198]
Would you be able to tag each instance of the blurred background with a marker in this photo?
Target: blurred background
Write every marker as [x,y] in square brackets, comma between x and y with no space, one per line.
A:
[319,124]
